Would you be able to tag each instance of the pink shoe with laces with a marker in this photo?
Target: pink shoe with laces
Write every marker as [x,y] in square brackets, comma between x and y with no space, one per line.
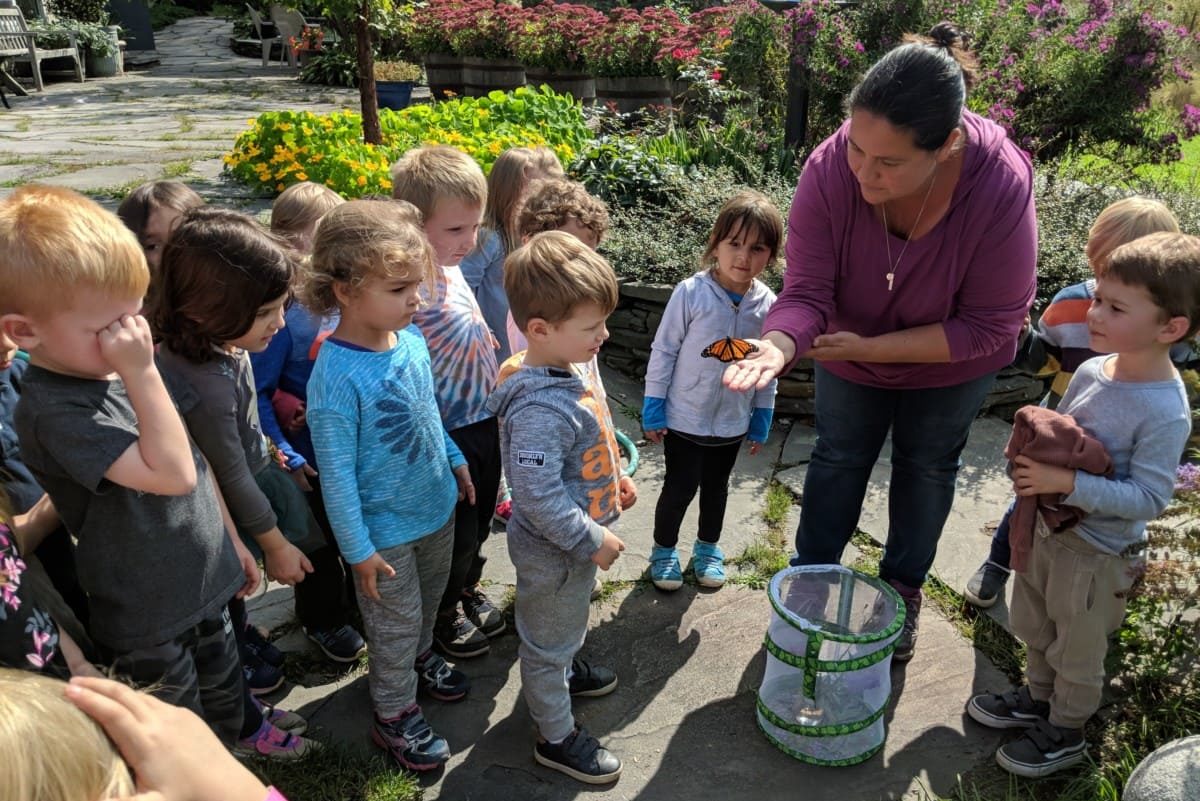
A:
[274,743]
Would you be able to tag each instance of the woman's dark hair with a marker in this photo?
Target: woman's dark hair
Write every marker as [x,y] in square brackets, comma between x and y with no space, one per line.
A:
[135,209]
[218,268]
[921,85]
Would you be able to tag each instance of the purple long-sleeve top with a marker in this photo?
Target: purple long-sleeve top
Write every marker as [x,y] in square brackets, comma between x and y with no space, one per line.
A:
[974,273]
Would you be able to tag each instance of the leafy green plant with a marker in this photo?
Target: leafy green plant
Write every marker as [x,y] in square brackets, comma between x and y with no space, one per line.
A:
[95,11]
[94,38]
[620,171]
[331,67]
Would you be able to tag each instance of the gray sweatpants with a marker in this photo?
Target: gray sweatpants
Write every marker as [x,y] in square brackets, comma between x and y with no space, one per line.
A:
[553,594]
[400,625]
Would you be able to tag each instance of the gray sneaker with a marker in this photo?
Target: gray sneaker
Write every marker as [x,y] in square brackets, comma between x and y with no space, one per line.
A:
[1011,710]
[987,585]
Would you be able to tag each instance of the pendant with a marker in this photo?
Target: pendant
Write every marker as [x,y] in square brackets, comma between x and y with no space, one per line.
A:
[890,277]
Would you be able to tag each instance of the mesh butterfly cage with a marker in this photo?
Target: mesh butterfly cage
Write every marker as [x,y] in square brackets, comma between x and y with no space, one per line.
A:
[829,654]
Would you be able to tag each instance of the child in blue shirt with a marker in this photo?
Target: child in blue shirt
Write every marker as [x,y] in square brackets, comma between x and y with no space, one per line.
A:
[380,441]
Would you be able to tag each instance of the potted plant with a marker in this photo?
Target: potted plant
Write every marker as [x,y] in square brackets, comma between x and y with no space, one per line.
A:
[427,38]
[394,82]
[310,42]
[548,39]
[100,45]
[624,55]
[478,31]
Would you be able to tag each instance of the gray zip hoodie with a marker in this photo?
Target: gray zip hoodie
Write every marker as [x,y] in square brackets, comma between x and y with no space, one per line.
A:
[560,457]
[698,314]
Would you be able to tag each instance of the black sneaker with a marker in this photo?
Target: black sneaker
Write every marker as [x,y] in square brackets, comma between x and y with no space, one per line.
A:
[906,643]
[591,681]
[1012,710]
[482,613]
[987,585]
[411,741]
[1042,750]
[261,678]
[580,757]
[261,647]
[457,637]
[341,644]
[439,679]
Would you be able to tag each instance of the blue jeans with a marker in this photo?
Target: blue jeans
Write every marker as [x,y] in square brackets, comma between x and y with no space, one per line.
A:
[929,430]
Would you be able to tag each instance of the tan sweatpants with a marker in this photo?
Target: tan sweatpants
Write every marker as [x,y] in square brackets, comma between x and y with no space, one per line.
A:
[1071,597]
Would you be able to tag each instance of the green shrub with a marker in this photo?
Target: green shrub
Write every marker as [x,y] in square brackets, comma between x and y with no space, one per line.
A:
[83,10]
[331,67]
[619,170]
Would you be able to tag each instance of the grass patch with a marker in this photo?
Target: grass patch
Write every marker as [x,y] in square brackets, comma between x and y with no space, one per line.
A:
[339,772]
[779,503]
[186,123]
[23,124]
[609,589]
[177,169]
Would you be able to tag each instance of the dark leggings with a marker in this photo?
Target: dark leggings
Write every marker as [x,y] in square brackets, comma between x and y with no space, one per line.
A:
[480,446]
[693,466]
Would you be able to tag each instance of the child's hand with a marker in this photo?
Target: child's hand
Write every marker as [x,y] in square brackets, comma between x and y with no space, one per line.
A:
[299,419]
[286,564]
[173,753]
[609,550]
[466,488]
[366,572]
[1036,478]
[656,436]
[301,474]
[627,492]
[249,568]
[755,447]
[127,344]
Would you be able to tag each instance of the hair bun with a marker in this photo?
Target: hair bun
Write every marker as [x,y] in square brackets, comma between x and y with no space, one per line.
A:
[949,36]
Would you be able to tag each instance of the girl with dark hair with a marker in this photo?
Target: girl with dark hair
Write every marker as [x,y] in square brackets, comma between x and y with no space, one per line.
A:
[152,210]
[911,260]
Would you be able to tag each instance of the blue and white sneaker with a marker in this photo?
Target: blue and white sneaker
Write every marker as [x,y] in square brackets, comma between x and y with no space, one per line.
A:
[665,571]
[708,562]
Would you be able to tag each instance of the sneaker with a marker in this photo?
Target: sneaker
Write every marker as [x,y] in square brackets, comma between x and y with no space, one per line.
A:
[411,741]
[261,678]
[987,585]
[257,644]
[1012,710]
[580,757]
[1042,750]
[907,642]
[439,679]
[591,681]
[457,637]
[665,571]
[482,613]
[503,510]
[281,718]
[275,743]
[341,644]
[597,589]
[708,563]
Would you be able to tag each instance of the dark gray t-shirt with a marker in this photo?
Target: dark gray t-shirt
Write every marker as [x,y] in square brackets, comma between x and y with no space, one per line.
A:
[152,565]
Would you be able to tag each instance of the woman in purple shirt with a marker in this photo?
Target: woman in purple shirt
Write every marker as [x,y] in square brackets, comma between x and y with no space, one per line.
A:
[911,256]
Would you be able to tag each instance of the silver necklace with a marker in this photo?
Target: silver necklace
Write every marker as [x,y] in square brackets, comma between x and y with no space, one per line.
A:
[887,234]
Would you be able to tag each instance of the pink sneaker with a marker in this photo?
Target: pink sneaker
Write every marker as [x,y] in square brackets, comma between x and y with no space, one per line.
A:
[289,722]
[504,510]
[274,743]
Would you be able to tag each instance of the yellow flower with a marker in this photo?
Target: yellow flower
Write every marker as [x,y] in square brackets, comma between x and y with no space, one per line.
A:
[316,157]
[384,183]
[301,176]
[280,187]
[284,126]
[362,180]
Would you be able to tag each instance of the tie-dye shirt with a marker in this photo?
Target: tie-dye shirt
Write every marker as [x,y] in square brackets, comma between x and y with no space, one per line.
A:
[461,347]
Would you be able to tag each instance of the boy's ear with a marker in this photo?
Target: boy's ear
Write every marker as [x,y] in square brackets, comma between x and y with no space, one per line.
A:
[20,329]
[1174,330]
[537,329]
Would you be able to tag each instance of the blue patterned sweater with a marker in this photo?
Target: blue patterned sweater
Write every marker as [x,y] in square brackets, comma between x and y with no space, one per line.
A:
[385,457]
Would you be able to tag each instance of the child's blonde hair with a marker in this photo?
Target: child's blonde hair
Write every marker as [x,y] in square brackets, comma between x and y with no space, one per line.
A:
[54,242]
[298,209]
[506,184]
[49,749]
[1125,221]
[747,210]
[424,176]
[554,273]
[1167,265]
[551,203]
[363,239]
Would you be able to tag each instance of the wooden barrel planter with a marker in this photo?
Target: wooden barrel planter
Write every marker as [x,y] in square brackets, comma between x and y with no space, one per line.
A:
[578,85]
[632,93]
[444,72]
[483,75]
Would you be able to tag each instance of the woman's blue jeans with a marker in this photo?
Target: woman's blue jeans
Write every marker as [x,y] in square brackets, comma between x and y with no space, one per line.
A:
[929,430]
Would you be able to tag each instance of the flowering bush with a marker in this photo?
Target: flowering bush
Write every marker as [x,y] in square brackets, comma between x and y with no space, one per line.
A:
[285,147]
[426,33]
[706,35]
[824,41]
[550,35]
[312,38]
[478,27]
[629,42]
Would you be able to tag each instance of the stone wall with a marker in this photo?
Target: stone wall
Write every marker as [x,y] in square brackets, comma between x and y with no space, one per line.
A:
[631,332]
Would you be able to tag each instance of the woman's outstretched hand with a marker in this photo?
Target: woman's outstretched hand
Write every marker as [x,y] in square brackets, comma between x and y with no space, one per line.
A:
[756,370]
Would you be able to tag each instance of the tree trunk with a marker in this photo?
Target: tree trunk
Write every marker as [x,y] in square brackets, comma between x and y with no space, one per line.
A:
[372,134]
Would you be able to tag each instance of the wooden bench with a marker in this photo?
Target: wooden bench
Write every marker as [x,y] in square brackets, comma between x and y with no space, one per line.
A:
[17,44]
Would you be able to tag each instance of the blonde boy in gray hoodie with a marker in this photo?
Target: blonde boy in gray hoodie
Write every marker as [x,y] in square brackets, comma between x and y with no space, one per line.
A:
[563,466]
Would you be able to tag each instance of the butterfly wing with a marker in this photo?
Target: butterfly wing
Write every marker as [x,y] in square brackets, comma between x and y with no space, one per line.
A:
[729,350]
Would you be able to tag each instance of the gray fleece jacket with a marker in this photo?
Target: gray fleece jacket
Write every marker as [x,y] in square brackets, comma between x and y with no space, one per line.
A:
[560,457]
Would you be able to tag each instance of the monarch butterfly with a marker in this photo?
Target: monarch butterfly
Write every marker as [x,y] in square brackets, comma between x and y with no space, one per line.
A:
[729,349]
